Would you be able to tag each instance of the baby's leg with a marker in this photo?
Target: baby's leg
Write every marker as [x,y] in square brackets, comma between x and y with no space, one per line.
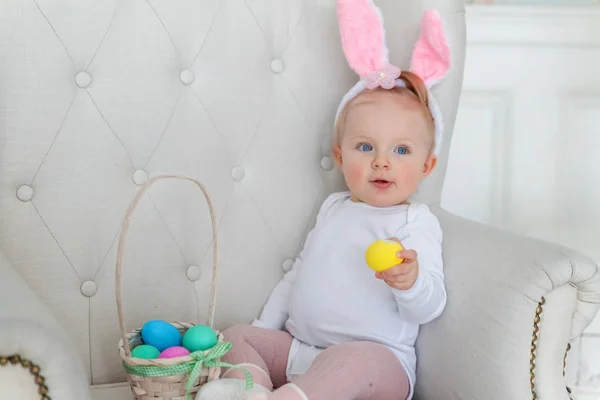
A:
[357,371]
[262,352]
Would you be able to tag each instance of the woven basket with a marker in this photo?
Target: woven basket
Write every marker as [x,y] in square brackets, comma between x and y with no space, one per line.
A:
[169,378]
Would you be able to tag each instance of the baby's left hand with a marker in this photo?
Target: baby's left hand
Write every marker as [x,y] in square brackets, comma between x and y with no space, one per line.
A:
[402,276]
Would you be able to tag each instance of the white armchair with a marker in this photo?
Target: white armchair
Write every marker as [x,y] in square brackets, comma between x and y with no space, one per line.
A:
[514,306]
[239,95]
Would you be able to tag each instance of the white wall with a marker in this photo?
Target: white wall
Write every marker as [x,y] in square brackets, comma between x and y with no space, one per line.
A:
[526,155]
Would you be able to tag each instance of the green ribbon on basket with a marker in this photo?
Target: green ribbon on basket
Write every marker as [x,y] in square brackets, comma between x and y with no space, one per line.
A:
[209,360]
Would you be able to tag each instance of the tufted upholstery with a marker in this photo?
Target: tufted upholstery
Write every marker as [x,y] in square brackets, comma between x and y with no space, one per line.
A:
[98,96]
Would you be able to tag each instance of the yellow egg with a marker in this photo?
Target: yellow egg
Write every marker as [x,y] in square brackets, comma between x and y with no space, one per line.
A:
[381,255]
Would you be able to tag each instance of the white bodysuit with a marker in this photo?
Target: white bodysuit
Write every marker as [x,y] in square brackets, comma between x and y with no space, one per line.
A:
[331,296]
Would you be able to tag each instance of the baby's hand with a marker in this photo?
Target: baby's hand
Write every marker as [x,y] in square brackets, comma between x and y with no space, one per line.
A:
[404,275]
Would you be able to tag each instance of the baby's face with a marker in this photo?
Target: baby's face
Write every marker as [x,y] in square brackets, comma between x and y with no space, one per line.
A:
[385,149]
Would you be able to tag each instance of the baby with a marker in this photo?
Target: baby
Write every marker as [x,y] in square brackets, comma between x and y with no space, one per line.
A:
[332,329]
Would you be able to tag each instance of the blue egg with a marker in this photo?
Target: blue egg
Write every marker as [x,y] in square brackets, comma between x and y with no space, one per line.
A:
[161,334]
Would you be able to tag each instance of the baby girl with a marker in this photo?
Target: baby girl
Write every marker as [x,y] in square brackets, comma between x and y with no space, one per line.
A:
[332,329]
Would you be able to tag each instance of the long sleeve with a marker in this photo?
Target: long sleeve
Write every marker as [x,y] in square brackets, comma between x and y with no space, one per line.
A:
[275,312]
[426,300]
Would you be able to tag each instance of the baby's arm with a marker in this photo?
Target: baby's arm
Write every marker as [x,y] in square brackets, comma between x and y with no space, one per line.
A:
[275,312]
[426,300]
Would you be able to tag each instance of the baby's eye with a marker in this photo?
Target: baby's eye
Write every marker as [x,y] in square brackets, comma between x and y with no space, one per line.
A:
[365,147]
[402,150]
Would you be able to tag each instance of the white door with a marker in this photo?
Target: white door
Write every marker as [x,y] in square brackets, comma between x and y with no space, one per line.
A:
[528,137]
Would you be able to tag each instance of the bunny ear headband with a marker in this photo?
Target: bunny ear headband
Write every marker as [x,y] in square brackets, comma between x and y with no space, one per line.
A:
[363,43]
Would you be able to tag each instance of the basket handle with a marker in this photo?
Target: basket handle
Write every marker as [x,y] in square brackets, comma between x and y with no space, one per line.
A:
[121,248]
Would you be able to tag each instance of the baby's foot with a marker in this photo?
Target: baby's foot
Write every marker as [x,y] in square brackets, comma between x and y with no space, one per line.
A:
[286,392]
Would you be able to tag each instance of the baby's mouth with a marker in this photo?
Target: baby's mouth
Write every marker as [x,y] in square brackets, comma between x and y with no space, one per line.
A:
[381,183]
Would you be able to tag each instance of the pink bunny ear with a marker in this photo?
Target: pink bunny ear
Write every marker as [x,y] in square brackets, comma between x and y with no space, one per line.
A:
[363,41]
[431,55]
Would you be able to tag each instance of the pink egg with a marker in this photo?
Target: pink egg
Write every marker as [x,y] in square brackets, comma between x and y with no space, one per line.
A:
[175,351]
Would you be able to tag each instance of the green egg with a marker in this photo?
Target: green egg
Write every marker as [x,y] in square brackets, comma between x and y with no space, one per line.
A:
[145,351]
[199,337]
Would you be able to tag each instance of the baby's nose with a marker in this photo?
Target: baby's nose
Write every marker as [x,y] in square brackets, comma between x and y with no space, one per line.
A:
[381,161]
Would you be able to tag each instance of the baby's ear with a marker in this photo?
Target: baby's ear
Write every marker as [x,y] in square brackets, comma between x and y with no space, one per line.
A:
[337,155]
[431,55]
[430,164]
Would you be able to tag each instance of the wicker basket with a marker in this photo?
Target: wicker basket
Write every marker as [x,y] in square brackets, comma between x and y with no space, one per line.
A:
[169,378]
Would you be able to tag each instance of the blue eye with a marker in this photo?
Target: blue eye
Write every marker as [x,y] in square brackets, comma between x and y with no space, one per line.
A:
[402,150]
[365,147]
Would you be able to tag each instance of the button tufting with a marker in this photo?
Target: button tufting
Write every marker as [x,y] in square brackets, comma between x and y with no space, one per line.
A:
[25,193]
[140,177]
[327,163]
[277,66]
[83,79]
[88,288]
[238,173]
[287,265]
[187,76]
[193,273]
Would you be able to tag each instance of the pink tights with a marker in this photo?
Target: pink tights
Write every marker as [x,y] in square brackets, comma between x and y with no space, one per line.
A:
[349,371]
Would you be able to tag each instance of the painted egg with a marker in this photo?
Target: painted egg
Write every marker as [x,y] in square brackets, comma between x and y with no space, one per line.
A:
[175,351]
[381,255]
[199,337]
[161,335]
[145,351]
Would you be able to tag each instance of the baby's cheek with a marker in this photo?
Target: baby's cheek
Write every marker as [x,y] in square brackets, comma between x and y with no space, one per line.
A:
[409,176]
[355,172]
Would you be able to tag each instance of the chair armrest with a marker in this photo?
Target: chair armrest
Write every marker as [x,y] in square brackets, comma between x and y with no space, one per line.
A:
[28,330]
[497,283]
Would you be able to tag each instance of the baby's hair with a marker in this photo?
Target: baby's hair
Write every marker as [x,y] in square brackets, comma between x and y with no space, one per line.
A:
[415,89]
